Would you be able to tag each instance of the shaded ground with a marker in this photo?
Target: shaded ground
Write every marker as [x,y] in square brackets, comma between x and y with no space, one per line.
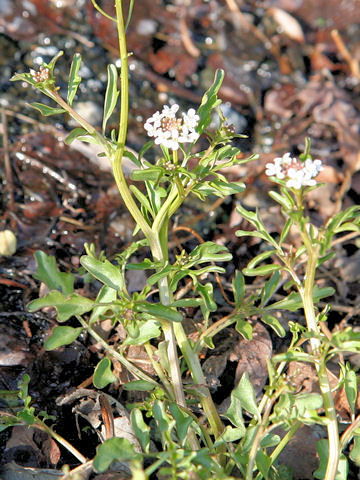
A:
[292,70]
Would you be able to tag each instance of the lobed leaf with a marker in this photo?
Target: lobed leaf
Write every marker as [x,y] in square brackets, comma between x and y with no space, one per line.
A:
[62,336]
[66,306]
[103,375]
[48,272]
[209,101]
[104,271]
[113,449]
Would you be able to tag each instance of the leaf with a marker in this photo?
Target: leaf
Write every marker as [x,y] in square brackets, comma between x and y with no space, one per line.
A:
[293,301]
[244,328]
[270,287]
[246,394]
[46,110]
[231,434]
[103,374]
[104,271]
[74,78]
[141,430]
[354,454]
[158,310]
[293,355]
[259,258]
[146,331]
[263,270]
[209,252]
[111,95]
[139,386]
[263,463]
[183,422]
[151,174]
[322,449]
[274,323]
[66,306]
[113,449]
[238,285]
[351,389]
[82,135]
[234,412]
[209,101]
[49,273]
[142,199]
[62,336]
[106,295]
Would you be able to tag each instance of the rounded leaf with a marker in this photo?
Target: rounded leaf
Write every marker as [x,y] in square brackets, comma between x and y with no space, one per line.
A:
[103,374]
[62,336]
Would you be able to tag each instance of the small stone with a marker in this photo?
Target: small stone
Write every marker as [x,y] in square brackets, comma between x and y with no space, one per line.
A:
[8,242]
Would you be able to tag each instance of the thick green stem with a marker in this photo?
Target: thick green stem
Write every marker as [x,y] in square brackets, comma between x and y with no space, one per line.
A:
[320,365]
[123,122]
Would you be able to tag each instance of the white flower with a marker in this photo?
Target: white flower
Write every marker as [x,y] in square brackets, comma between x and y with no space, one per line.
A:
[296,173]
[170,131]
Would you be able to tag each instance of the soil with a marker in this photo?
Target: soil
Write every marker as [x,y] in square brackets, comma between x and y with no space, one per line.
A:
[292,71]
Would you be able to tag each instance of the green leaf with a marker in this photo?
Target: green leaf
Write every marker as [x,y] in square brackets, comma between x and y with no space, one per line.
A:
[66,306]
[351,389]
[238,285]
[187,302]
[244,328]
[263,463]
[322,449]
[183,421]
[246,394]
[346,340]
[263,270]
[103,374]
[114,449]
[285,230]
[158,310]
[234,412]
[354,454]
[151,174]
[141,430]
[293,301]
[231,434]
[274,323]
[62,336]
[259,258]
[49,273]
[104,271]
[207,294]
[106,295]
[286,202]
[139,386]
[46,110]
[209,102]
[82,135]
[293,355]
[142,199]
[270,287]
[209,252]
[74,78]
[146,331]
[111,95]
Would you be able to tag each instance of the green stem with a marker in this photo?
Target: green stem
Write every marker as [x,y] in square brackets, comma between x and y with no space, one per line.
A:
[118,356]
[320,364]
[159,371]
[123,122]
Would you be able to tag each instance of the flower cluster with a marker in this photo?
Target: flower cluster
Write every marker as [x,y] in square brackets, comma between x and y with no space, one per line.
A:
[169,130]
[42,75]
[296,173]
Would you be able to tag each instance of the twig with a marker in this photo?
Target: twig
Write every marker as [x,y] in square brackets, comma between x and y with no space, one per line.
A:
[352,62]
